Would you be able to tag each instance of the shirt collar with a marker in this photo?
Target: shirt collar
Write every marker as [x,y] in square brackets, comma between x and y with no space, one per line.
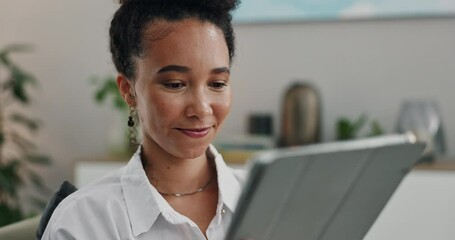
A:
[142,207]
[229,186]
[144,204]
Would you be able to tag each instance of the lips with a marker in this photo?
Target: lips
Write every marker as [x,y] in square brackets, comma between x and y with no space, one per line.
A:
[195,132]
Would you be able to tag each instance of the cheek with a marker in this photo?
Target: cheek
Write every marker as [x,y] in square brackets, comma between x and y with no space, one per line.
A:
[222,108]
[160,110]
[148,108]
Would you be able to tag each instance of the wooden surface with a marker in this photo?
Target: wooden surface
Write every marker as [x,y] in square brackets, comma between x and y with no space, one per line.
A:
[240,157]
[438,165]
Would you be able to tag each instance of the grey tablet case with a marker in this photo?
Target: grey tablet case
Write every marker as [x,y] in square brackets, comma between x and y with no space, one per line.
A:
[331,191]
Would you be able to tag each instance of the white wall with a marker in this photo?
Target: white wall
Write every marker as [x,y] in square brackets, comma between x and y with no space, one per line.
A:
[70,45]
[359,67]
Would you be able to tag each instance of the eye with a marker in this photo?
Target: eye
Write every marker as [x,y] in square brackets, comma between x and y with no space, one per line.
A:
[219,85]
[173,85]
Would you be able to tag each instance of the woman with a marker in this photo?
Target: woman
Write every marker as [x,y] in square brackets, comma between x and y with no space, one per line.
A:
[173,60]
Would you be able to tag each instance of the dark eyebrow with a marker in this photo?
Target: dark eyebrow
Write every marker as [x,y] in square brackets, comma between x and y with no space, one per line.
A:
[183,69]
[221,70]
[174,68]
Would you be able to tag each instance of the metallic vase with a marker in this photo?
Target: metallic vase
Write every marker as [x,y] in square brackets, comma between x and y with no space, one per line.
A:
[301,116]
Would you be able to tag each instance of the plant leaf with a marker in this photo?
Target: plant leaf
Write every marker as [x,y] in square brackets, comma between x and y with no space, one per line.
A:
[9,214]
[119,103]
[21,142]
[4,58]
[358,124]
[36,180]
[100,95]
[10,180]
[376,129]
[39,159]
[20,79]
[344,129]
[31,124]
[107,88]
[17,47]
[4,53]
[17,82]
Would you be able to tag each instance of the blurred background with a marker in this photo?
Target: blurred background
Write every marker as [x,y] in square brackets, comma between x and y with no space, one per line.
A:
[358,63]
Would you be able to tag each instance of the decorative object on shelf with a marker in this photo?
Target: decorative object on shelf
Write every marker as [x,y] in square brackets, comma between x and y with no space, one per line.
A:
[121,132]
[349,129]
[423,118]
[260,124]
[301,116]
[18,152]
[237,149]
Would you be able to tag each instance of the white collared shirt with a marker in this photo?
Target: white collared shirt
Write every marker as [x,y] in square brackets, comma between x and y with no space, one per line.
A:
[124,205]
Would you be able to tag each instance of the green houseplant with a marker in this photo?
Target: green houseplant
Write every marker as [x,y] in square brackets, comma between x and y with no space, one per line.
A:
[350,129]
[19,155]
[106,91]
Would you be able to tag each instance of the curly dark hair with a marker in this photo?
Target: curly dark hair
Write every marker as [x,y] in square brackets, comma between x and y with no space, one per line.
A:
[130,20]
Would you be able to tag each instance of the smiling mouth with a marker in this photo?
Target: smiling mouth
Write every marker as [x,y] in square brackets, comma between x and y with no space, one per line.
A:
[195,132]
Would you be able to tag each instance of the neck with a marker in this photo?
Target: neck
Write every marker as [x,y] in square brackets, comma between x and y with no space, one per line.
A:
[171,174]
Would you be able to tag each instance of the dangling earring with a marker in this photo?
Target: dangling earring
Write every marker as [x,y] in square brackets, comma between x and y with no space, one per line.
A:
[132,130]
[130,117]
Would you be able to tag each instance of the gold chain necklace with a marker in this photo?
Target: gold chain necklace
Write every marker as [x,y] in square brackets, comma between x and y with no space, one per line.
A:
[144,163]
[190,193]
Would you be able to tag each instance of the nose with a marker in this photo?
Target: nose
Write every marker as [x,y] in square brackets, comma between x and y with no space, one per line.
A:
[198,105]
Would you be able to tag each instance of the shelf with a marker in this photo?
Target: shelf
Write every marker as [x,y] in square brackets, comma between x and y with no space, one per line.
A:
[438,165]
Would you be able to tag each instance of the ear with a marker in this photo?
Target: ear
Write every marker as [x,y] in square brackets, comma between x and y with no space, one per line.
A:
[126,90]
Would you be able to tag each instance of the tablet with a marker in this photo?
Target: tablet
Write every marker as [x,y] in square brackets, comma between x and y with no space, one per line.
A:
[330,191]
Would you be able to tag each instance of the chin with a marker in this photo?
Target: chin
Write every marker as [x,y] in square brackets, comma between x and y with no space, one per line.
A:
[191,152]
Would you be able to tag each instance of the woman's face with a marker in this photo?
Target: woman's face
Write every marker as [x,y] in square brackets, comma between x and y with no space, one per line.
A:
[182,86]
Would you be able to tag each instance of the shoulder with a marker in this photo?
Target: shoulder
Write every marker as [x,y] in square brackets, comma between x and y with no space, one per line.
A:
[98,191]
[94,209]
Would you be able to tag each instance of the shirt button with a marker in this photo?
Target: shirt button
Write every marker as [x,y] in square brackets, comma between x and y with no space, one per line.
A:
[223,211]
